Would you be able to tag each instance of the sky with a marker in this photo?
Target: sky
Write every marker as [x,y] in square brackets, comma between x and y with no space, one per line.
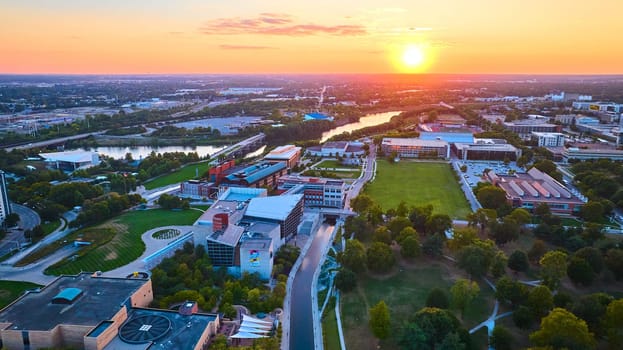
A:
[320,36]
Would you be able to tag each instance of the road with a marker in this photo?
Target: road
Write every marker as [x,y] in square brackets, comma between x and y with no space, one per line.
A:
[28,219]
[301,319]
[54,141]
[369,167]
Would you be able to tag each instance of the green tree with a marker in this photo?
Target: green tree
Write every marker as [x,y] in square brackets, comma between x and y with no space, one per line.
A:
[452,341]
[427,328]
[482,217]
[594,258]
[410,247]
[397,224]
[406,232]
[521,216]
[518,261]
[540,301]
[510,291]
[542,210]
[476,260]
[580,271]
[380,257]
[11,220]
[438,223]
[462,237]
[562,329]
[498,265]
[491,197]
[614,324]
[522,317]
[433,245]
[354,256]
[592,211]
[537,250]
[463,293]
[361,204]
[501,338]
[380,322]
[553,268]
[346,280]
[437,298]
[592,309]
[614,262]
[382,234]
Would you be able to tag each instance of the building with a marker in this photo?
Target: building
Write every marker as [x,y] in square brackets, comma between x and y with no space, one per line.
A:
[533,188]
[261,174]
[317,192]
[565,119]
[5,204]
[609,107]
[591,152]
[219,171]
[317,116]
[494,118]
[449,137]
[548,139]
[285,210]
[416,148]
[486,149]
[71,160]
[525,128]
[583,120]
[94,313]
[451,120]
[337,148]
[197,189]
[288,154]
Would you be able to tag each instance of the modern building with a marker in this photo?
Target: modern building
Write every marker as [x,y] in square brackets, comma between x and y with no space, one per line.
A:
[548,139]
[584,120]
[337,148]
[197,189]
[451,120]
[71,160]
[285,210]
[93,313]
[317,116]
[566,119]
[219,171]
[317,192]
[486,149]
[261,174]
[529,190]
[288,154]
[525,128]
[416,148]
[5,204]
[577,153]
[449,137]
[609,107]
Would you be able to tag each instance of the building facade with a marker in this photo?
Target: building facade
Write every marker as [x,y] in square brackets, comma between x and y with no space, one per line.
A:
[288,154]
[261,174]
[416,148]
[525,128]
[549,139]
[5,204]
[486,151]
[318,192]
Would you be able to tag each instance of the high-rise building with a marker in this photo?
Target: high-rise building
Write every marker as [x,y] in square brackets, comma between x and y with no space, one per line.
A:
[5,205]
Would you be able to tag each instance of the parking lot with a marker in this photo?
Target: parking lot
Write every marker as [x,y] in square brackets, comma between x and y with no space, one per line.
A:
[475,169]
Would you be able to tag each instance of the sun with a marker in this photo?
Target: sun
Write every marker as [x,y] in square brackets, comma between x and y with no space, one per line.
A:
[413,56]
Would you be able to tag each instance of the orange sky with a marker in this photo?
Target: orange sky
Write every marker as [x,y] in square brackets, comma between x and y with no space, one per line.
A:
[284,36]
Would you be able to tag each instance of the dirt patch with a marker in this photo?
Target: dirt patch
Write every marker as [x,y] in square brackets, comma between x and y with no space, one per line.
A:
[111,256]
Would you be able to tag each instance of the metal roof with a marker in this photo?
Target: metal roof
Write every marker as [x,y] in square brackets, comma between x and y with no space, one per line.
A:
[275,207]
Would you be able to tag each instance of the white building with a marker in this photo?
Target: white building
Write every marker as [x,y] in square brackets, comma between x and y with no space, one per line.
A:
[549,139]
[416,148]
[5,204]
[71,160]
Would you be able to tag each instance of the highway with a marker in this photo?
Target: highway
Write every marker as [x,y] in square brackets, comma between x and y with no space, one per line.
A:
[54,141]
[301,319]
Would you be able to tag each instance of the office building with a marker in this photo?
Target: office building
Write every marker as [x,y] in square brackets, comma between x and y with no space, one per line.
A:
[548,139]
[101,313]
[261,174]
[337,148]
[288,154]
[197,189]
[525,128]
[5,204]
[317,192]
[486,149]
[608,107]
[591,151]
[533,188]
[416,148]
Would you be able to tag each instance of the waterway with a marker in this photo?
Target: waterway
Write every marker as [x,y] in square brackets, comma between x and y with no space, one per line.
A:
[364,122]
[301,317]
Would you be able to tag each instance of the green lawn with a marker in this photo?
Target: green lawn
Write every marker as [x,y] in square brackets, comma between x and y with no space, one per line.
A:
[118,241]
[184,173]
[50,226]
[330,336]
[331,164]
[404,293]
[418,183]
[11,290]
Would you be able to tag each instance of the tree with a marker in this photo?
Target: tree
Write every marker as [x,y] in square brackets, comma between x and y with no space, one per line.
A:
[593,257]
[380,257]
[452,341]
[482,217]
[614,324]
[397,224]
[501,338]
[548,167]
[410,247]
[361,204]
[345,280]
[382,234]
[476,260]
[520,215]
[354,256]
[592,309]
[498,265]
[542,210]
[433,245]
[402,210]
[540,301]
[562,329]
[427,328]
[505,232]
[419,216]
[553,268]
[462,237]
[518,261]
[438,223]
[522,317]
[406,232]
[380,322]
[11,220]
[580,271]
[463,293]
[491,197]
[592,211]
[537,250]
[614,262]
[510,291]
[437,298]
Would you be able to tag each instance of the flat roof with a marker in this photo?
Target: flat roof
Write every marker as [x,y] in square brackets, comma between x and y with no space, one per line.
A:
[283,152]
[256,172]
[275,207]
[548,134]
[414,142]
[232,233]
[500,147]
[101,299]
[534,186]
[69,156]
[257,243]
[465,137]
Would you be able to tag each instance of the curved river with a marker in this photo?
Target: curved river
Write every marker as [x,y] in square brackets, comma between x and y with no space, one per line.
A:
[364,122]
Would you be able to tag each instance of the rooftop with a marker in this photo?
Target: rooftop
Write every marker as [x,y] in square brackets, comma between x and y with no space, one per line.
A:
[101,299]
[486,146]
[548,134]
[274,208]
[283,152]
[414,142]
[460,136]
[69,156]
[256,172]
[317,116]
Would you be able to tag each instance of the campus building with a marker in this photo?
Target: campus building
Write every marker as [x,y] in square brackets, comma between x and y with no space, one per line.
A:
[317,116]
[486,149]
[101,313]
[529,190]
[317,192]
[219,171]
[261,174]
[5,204]
[591,151]
[609,107]
[337,148]
[71,160]
[288,154]
[416,148]
[197,189]
[525,128]
[548,139]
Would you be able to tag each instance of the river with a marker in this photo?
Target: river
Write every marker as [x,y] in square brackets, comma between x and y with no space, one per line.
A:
[364,122]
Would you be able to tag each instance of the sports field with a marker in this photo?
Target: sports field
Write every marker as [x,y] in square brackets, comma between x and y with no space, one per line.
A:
[118,242]
[418,183]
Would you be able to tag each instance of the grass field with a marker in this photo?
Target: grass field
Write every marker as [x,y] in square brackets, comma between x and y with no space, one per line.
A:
[330,336]
[118,241]
[11,290]
[184,173]
[332,164]
[405,293]
[50,226]
[418,183]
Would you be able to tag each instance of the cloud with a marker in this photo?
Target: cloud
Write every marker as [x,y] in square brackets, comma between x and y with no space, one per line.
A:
[245,47]
[276,24]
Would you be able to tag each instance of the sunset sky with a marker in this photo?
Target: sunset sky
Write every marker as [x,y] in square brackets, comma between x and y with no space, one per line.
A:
[320,36]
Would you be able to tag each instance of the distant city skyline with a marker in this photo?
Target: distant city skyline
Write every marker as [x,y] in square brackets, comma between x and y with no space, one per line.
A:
[278,36]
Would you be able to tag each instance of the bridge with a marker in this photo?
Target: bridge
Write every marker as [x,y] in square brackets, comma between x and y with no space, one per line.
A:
[57,141]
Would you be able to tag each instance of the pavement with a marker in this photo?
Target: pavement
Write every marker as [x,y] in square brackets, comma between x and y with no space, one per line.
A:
[14,238]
